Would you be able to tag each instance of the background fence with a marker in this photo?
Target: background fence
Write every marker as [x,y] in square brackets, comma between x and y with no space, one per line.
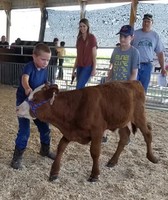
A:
[156,97]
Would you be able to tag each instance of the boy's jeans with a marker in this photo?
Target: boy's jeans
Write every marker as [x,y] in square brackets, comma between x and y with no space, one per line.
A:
[24,132]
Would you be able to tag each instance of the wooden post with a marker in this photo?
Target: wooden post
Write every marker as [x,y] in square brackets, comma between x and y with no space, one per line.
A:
[44,18]
[7,7]
[133,12]
[83,8]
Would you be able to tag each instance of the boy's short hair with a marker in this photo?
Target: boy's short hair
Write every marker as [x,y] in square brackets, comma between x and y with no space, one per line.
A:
[41,47]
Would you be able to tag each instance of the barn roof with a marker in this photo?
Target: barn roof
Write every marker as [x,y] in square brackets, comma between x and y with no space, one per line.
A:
[22,4]
[9,5]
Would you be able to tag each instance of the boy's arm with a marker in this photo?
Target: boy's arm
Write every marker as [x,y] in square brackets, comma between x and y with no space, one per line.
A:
[110,69]
[25,84]
[133,74]
[109,73]
[110,66]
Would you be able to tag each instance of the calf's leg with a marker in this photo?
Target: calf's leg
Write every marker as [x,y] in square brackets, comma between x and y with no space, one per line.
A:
[147,133]
[56,164]
[95,149]
[124,134]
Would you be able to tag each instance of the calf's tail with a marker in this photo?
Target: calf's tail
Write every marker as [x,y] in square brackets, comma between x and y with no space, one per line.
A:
[134,128]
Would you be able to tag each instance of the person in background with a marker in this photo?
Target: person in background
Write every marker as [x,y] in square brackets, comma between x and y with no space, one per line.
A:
[3,42]
[34,74]
[54,58]
[85,63]
[125,59]
[61,53]
[16,46]
[148,42]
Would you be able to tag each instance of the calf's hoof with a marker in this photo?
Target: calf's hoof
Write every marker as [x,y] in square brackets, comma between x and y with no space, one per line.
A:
[152,158]
[110,164]
[53,178]
[104,139]
[92,180]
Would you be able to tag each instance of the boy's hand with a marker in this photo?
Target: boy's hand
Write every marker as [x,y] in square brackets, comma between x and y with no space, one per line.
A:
[28,91]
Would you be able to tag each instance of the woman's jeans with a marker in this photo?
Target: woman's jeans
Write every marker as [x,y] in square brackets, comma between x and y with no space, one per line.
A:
[144,74]
[83,75]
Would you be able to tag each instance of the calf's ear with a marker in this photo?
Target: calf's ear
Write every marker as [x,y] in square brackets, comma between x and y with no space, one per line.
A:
[54,88]
[46,87]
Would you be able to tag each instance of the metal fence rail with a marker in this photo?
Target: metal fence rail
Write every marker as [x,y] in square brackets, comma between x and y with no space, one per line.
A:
[156,97]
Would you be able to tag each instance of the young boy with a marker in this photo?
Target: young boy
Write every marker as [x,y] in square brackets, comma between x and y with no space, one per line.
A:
[34,74]
[125,59]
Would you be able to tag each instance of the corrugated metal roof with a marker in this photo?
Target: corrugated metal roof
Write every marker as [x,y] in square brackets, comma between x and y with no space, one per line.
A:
[20,4]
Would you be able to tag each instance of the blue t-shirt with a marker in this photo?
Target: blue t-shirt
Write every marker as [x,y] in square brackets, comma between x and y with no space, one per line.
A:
[147,43]
[37,77]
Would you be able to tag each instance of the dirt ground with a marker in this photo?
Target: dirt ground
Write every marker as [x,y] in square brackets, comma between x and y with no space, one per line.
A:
[134,178]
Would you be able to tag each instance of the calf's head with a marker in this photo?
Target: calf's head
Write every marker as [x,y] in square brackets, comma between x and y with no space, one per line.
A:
[40,96]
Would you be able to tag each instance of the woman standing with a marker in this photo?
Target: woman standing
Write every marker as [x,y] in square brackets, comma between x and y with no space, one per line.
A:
[85,63]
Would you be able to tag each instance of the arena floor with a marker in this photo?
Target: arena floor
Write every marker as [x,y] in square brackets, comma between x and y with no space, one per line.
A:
[134,178]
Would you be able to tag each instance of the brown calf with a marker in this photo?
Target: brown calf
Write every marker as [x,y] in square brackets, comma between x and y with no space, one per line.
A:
[83,115]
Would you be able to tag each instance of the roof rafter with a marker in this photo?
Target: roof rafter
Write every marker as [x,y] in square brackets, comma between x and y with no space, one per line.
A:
[23,4]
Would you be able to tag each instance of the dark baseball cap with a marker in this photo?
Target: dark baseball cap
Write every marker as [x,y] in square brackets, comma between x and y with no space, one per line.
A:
[126,30]
[148,16]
